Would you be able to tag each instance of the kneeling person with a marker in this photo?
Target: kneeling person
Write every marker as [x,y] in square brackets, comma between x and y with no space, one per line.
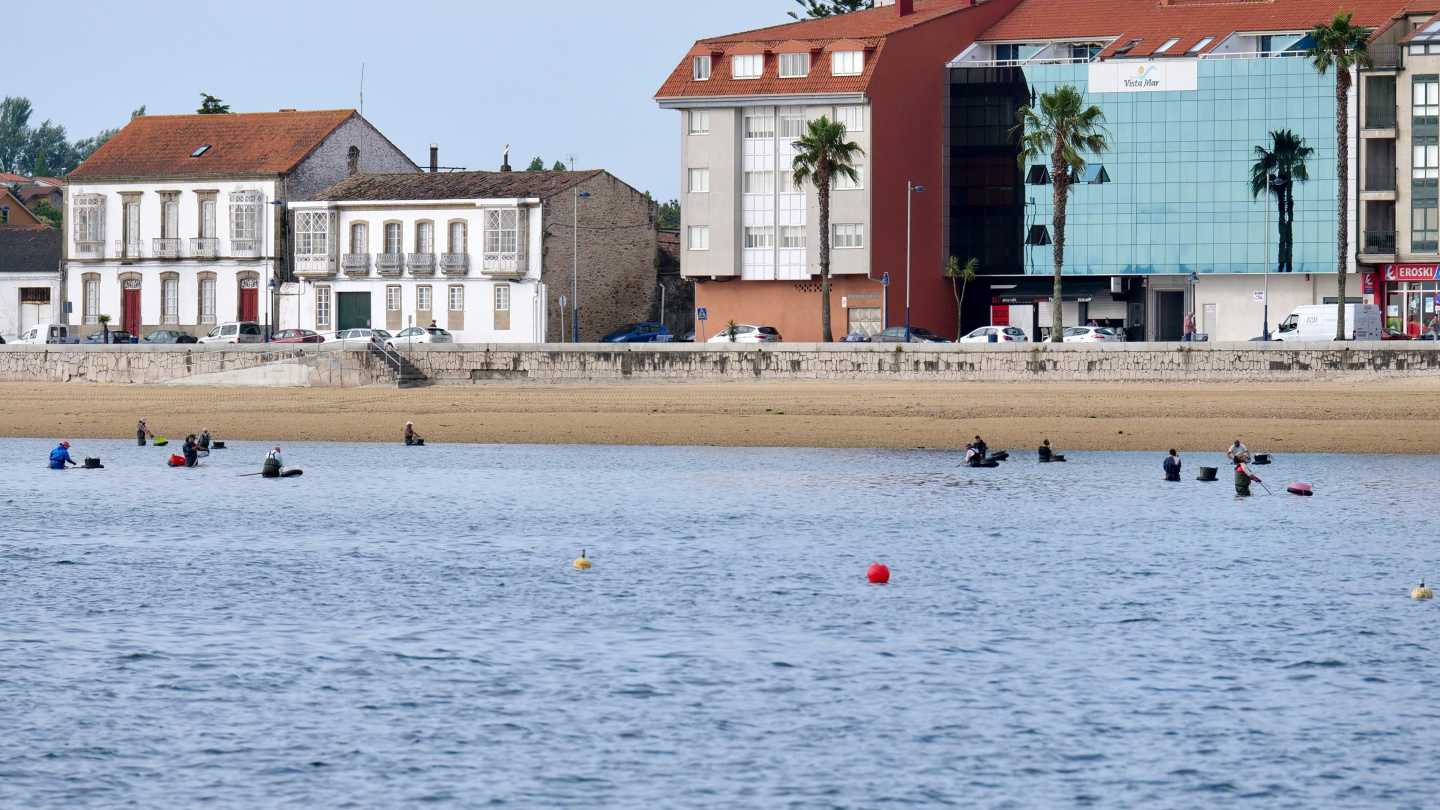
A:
[274,464]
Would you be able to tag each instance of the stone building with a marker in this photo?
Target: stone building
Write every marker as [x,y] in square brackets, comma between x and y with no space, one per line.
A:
[29,278]
[486,255]
[178,221]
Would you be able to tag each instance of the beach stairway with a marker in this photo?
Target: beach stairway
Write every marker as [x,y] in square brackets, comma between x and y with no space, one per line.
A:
[407,374]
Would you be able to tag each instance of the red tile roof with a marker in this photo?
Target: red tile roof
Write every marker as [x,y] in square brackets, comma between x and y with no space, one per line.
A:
[8,179]
[867,29]
[240,143]
[1153,23]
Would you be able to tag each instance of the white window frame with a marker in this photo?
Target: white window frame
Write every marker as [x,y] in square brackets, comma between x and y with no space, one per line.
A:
[699,122]
[207,219]
[843,183]
[505,237]
[92,301]
[170,301]
[794,65]
[322,307]
[792,127]
[1425,98]
[852,116]
[245,218]
[699,180]
[424,298]
[847,236]
[457,298]
[458,238]
[392,298]
[207,300]
[698,237]
[701,68]
[759,125]
[792,237]
[502,297]
[847,63]
[1426,162]
[759,237]
[170,219]
[89,214]
[359,237]
[747,65]
[312,234]
[758,182]
[394,238]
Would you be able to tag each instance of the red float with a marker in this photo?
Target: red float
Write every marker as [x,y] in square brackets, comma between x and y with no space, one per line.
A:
[878,574]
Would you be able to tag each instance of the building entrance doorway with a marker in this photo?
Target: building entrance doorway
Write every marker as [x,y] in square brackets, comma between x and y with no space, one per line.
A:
[1170,326]
[34,306]
[250,300]
[130,308]
[352,310]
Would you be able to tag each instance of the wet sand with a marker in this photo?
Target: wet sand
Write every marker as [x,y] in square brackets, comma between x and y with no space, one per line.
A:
[1378,416]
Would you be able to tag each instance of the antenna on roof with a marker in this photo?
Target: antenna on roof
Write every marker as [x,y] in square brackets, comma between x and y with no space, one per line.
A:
[362,88]
[571,159]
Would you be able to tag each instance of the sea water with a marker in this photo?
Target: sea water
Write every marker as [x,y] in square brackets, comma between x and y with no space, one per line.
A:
[403,627]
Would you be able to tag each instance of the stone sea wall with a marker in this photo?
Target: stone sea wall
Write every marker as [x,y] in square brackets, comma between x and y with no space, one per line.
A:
[472,364]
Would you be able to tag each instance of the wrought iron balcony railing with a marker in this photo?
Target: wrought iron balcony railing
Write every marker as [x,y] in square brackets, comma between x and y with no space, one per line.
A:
[390,264]
[203,247]
[167,248]
[420,264]
[1379,242]
[455,264]
[355,264]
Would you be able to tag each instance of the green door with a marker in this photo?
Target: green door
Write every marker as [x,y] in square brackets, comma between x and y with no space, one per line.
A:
[353,310]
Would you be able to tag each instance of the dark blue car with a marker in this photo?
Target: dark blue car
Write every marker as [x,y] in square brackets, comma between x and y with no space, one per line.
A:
[640,333]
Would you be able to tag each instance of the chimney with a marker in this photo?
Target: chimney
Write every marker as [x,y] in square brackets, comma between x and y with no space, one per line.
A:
[904,8]
[434,158]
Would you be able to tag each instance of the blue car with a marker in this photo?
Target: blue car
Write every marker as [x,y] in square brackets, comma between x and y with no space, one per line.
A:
[640,333]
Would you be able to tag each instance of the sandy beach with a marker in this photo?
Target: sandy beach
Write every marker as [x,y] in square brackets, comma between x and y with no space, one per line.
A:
[1386,416]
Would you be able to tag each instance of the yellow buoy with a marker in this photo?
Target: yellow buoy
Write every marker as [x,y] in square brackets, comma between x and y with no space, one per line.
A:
[1421,592]
[582,564]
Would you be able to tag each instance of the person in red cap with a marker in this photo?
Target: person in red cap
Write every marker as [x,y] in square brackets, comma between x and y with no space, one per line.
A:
[60,456]
[274,464]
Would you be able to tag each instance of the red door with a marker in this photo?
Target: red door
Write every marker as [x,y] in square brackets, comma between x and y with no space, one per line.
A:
[249,304]
[131,315]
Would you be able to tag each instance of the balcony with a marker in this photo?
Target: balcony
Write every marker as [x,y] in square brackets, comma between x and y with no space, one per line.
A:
[204,248]
[1380,178]
[455,264]
[318,265]
[166,248]
[1379,243]
[245,248]
[355,264]
[420,264]
[132,251]
[89,250]
[390,264]
[504,264]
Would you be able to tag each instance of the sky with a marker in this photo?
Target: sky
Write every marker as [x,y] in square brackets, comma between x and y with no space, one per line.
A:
[551,78]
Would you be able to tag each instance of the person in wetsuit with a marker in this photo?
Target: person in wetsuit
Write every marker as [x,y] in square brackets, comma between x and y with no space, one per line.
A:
[204,441]
[1243,477]
[274,464]
[191,451]
[1172,466]
[1045,452]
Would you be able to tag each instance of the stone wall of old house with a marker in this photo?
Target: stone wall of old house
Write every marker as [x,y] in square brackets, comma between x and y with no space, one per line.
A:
[617,248]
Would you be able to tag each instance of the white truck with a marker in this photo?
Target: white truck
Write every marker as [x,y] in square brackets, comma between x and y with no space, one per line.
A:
[1317,322]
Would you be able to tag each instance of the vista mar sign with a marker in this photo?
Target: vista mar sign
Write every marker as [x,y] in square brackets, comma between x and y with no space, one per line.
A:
[1125,76]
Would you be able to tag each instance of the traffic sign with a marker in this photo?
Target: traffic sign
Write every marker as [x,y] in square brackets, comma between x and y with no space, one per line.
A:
[700,313]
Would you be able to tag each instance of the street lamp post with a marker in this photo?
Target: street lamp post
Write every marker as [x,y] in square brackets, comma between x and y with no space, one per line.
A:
[575,256]
[910,189]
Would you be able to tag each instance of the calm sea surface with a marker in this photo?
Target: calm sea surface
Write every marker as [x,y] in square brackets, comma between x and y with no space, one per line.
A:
[402,627]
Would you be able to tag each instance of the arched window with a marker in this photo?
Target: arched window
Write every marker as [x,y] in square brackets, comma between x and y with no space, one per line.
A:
[352,160]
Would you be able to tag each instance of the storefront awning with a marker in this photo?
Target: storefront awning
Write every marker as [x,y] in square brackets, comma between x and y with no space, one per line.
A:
[1029,289]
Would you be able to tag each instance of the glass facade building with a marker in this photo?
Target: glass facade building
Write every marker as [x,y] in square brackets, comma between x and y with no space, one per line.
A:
[1178,197]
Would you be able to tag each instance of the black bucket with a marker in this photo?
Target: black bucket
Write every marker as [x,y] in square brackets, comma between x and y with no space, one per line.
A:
[1000,456]
[217,445]
[1262,458]
[1208,474]
[93,464]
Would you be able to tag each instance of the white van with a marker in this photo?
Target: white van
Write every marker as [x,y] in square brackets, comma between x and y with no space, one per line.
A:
[46,333]
[235,332]
[1317,322]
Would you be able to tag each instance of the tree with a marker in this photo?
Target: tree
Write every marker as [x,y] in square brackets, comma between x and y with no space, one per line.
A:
[821,154]
[104,321]
[965,273]
[669,216]
[815,9]
[1341,45]
[1064,129]
[559,167]
[211,105]
[46,141]
[14,131]
[41,167]
[85,147]
[1281,167]
[536,165]
[52,215]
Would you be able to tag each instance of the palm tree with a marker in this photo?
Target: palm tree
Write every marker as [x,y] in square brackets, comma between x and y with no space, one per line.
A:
[1281,167]
[1063,129]
[820,155]
[104,321]
[1341,45]
[965,273]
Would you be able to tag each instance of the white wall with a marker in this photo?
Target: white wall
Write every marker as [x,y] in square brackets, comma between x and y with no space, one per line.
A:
[1238,316]
[10,284]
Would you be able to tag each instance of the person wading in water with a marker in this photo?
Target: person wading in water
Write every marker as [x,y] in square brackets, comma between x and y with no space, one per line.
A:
[1243,476]
[410,435]
[191,451]
[141,431]
[204,440]
[274,464]
[1045,452]
[1172,466]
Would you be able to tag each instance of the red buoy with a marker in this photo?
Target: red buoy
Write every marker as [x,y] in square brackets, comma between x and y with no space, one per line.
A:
[878,574]
[1300,489]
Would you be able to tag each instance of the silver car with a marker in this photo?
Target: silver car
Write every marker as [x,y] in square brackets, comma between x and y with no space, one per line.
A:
[419,334]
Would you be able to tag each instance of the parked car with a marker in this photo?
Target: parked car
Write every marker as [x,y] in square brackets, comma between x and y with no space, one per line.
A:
[1002,334]
[359,338]
[116,336]
[236,332]
[688,337]
[46,333]
[896,334]
[419,334]
[170,336]
[855,337]
[747,333]
[296,336]
[1091,334]
[639,333]
[1390,333]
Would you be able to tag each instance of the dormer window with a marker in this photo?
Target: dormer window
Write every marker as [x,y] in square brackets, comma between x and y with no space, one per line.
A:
[202,150]
[847,63]
[747,65]
[1127,47]
[1169,43]
[702,68]
[1200,46]
[794,65]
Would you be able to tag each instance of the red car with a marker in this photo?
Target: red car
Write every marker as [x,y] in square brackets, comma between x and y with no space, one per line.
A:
[296,336]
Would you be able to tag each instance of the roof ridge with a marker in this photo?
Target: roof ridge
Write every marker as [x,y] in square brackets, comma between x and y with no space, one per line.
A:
[878,11]
[253,112]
